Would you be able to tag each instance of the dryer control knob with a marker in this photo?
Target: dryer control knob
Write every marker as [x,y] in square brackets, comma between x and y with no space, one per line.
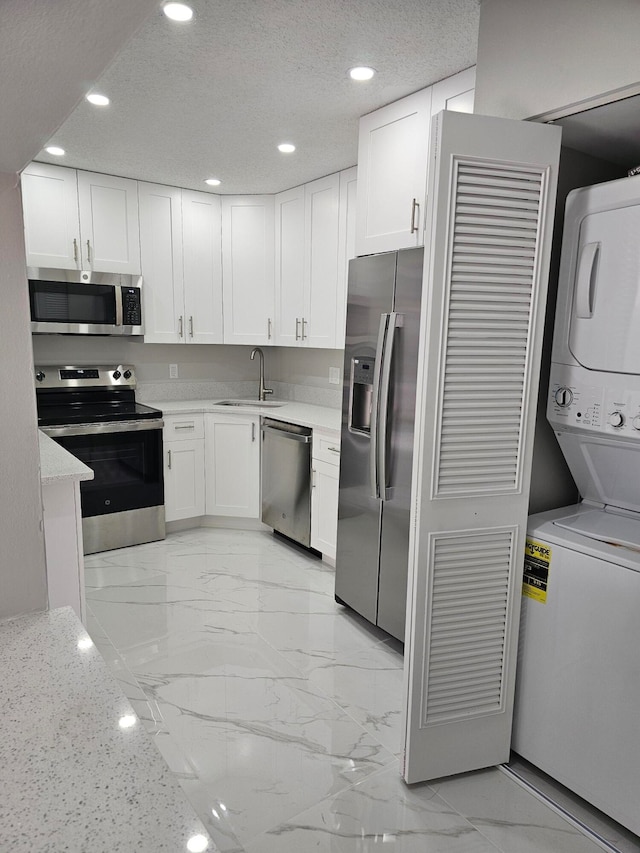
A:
[636,422]
[563,397]
[616,419]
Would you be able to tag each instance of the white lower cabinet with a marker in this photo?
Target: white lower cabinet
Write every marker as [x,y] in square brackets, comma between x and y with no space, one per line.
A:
[232,465]
[325,473]
[184,467]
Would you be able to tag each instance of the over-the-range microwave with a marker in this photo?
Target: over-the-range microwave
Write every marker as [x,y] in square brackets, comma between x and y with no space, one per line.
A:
[84,303]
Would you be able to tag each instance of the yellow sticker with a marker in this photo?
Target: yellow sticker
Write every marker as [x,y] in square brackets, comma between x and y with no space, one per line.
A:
[537,559]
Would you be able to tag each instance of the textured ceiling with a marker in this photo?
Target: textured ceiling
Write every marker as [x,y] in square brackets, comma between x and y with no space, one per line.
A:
[215,96]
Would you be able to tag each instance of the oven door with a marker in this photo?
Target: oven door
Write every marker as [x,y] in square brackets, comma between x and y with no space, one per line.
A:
[126,459]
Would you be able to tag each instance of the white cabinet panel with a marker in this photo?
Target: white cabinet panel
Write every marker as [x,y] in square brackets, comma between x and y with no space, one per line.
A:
[322,199]
[201,224]
[290,266]
[346,246]
[324,507]
[109,223]
[63,545]
[232,465]
[184,479]
[248,269]
[51,220]
[392,175]
[161,257]
[455,93]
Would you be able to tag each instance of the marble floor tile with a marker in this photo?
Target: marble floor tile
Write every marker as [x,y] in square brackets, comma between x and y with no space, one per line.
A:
[379,813]
[279,711]
[509,816]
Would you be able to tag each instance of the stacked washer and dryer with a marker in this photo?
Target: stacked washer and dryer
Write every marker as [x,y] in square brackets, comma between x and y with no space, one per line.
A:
[577,714]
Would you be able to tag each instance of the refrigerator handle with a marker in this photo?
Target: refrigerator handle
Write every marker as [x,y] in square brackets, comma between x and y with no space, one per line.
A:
[394,322]
[375,407]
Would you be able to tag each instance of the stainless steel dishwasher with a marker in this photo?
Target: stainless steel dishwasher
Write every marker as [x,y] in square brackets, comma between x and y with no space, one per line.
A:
[286,479]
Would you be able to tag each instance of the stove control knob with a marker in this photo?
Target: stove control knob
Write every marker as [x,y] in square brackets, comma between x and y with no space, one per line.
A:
[116,374]
[40,376]
[127,375]
[616,419]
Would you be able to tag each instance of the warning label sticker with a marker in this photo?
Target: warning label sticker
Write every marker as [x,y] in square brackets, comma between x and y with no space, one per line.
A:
[537,558]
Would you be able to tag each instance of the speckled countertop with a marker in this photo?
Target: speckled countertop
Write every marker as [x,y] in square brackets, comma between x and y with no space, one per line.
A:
[304,414]
[56,463]
[78,772]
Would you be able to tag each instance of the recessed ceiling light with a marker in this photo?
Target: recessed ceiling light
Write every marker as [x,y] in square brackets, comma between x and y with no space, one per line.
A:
[178,11]
[361,72]
[98,100]
[213,182]
[286,148]
[53,149]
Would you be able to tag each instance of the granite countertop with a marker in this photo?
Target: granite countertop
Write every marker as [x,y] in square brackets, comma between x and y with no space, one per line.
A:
[78,772]
[303,414]
[57,464]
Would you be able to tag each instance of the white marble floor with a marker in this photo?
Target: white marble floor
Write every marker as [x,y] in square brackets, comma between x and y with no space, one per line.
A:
[279,711]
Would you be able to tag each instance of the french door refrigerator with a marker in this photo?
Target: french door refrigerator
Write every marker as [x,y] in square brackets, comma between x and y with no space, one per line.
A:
[380,367]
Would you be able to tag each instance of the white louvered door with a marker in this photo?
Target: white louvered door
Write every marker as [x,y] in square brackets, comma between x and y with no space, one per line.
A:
[489,220]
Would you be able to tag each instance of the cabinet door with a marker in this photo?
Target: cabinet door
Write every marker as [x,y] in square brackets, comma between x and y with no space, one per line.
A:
[455,93]
[184,479]
[322,199]
[51,222]
[324,507]
[201,226]
[392,175]
[346,246]
[161,258]
[109,223]
[232,465]
[248,269]
[290,266]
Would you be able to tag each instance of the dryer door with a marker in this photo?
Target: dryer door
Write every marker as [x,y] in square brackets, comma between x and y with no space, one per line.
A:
[605,317]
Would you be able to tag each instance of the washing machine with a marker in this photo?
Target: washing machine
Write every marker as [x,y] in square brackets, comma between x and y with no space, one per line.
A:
[578,684]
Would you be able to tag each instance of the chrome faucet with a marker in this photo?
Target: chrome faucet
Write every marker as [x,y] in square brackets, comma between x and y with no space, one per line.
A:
[262,391]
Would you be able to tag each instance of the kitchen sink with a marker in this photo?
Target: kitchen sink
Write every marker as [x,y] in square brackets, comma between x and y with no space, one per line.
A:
[269,404]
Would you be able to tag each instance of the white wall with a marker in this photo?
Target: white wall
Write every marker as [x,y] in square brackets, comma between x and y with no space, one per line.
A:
[22,565]
[535,56]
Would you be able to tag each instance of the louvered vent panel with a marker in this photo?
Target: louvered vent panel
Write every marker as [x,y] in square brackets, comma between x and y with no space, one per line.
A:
[469,599]
[492,271]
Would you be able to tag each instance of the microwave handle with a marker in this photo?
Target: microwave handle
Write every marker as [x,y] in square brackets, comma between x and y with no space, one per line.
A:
[118,296]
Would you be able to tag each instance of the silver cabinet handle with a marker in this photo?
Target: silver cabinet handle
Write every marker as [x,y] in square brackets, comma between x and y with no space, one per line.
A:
[268,328]
[190,327]
[414,207]
[253,430]
[88,252]
[304,323]
[180,326]
[297,328]
[169,452]
[334,449]
[184,426]
[75,250]
[313,478]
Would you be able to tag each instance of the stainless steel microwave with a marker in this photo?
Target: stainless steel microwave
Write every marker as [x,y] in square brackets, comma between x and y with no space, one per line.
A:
[90,305]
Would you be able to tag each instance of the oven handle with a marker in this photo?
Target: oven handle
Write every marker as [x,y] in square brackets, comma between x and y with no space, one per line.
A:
[112,426]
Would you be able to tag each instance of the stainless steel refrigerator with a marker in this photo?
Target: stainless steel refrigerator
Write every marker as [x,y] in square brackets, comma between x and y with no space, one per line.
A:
[378,411]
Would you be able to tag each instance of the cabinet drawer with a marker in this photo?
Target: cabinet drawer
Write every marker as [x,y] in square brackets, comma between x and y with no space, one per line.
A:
[326,448]
[182,427]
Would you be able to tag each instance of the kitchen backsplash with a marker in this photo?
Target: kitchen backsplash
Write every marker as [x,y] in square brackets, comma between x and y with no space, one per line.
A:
[178,390]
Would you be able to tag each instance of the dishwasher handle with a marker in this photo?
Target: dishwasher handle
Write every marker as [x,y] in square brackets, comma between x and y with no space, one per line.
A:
[283,433]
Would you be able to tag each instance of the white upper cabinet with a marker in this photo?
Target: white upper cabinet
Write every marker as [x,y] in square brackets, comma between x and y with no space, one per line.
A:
[321,203]
[80,220]
[393,154]
[392,175]
[310,284]
[109,228]
[346,245]
[162,265]
[51,220]
[248,269]
[290,266]
[202,252]
[181,264]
